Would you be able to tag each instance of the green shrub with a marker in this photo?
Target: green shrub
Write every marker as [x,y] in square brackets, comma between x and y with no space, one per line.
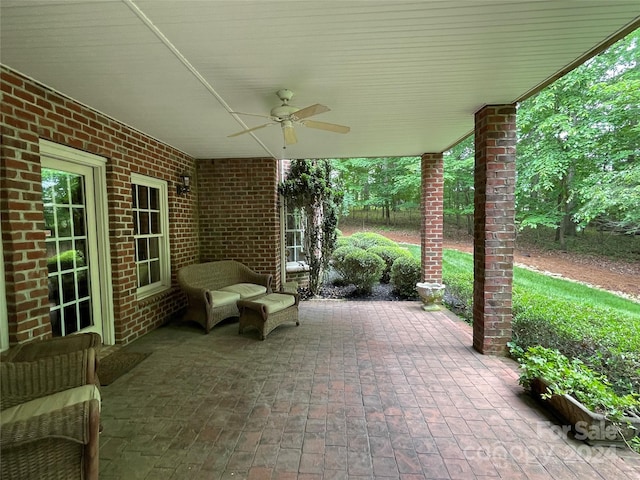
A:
[338,255]
[360,267]
[458,278]
[367,240]
[343,242]
[389,255]
[405,273]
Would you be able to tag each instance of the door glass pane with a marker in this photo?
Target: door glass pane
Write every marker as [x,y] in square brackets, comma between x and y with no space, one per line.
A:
[67,255]
[63,221]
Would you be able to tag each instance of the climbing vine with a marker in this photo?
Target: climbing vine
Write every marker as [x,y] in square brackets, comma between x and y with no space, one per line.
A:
[309,188]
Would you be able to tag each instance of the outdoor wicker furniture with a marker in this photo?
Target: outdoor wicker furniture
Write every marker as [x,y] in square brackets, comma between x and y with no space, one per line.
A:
[214,288]
[269,311]
[37,349]
[50,417]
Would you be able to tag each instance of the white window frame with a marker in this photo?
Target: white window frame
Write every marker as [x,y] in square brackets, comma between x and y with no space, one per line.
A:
[296,265]
[163,239]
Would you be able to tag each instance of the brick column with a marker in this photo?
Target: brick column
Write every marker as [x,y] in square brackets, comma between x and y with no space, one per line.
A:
[431,210]
[494,230]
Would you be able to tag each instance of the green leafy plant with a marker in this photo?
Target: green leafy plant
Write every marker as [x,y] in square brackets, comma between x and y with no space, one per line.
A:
[389,254]
[369,239]
[360,268]
[405,273]
[572,377]
[338,256]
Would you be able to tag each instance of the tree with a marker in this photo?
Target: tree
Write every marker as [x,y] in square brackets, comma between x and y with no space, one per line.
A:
[309,188]
[459,183]
[388,183]
[578,141]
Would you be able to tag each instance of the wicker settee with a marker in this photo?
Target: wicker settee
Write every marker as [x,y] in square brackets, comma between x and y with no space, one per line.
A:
[214,288]
[50,417]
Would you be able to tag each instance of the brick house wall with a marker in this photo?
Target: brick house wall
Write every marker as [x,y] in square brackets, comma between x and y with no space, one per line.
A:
[240,213]
[30,111]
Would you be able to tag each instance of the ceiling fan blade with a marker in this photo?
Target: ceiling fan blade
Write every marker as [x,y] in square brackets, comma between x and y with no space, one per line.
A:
[330,127]
[251,114]
[309,111]
[249,130]
[289,135]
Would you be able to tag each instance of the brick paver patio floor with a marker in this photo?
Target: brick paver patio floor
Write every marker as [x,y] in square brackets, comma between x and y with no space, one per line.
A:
[360,390]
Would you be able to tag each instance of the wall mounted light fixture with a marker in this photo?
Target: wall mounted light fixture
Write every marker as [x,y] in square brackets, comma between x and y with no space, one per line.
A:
[184,186]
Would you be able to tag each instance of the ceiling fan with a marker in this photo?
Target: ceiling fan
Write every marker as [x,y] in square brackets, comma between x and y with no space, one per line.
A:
[287,116]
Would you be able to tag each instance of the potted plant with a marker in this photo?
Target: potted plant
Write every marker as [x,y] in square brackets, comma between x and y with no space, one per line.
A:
[582,397]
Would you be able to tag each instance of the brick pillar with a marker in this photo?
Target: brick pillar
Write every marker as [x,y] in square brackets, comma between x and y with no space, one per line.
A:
[494,230]
[431,210]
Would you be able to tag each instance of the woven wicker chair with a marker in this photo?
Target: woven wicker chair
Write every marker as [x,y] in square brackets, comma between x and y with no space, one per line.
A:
[198,281]
[50,418]
[37,349]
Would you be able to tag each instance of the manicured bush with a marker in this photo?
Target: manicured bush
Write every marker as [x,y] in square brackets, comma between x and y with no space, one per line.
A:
[457,275]
[360,268]
[459,293]
[389,255]
[405,273]
[343,242]
[369,239]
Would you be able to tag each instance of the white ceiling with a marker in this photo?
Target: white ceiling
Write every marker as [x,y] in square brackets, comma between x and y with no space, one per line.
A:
[406,76]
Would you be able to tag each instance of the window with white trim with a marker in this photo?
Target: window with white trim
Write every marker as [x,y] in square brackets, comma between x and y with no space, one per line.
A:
[294,240]
[151,234]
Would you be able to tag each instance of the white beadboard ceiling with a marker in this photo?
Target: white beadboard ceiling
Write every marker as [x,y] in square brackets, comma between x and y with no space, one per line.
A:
[406,76]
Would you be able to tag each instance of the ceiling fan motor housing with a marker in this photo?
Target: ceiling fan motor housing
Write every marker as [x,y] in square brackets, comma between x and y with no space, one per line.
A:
[283,111]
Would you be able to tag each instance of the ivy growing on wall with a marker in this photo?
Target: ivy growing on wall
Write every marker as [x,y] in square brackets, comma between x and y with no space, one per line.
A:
[309,187]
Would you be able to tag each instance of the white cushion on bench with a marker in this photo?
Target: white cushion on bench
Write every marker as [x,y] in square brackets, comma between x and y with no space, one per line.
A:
[276,302]
[50,403]
[220,298]
[246,290]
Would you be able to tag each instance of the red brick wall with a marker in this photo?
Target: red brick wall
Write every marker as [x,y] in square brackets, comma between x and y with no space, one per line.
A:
[30,112]
[494,229]
[239,213]
[432,170]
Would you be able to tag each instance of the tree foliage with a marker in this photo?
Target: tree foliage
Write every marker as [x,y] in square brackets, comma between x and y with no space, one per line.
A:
[578,151]
[387,183]
[309,188]
[458,183]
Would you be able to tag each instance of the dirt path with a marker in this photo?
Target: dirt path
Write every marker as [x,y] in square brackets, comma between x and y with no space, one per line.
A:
[616,276]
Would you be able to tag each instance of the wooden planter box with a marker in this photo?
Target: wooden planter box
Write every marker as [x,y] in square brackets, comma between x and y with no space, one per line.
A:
[593,428]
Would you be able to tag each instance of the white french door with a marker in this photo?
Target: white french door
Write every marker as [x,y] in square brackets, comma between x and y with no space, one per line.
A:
[78,293]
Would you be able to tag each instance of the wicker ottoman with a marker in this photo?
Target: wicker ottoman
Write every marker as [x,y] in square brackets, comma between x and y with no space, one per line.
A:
[267,312]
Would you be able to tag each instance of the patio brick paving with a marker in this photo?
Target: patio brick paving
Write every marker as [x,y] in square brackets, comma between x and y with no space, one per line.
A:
[360,390]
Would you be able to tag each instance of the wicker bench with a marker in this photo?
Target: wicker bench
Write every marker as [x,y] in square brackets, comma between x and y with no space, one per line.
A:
[269,311]
[214,288]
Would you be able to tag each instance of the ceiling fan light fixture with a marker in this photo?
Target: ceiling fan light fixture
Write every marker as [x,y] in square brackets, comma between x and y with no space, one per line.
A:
[287,116]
